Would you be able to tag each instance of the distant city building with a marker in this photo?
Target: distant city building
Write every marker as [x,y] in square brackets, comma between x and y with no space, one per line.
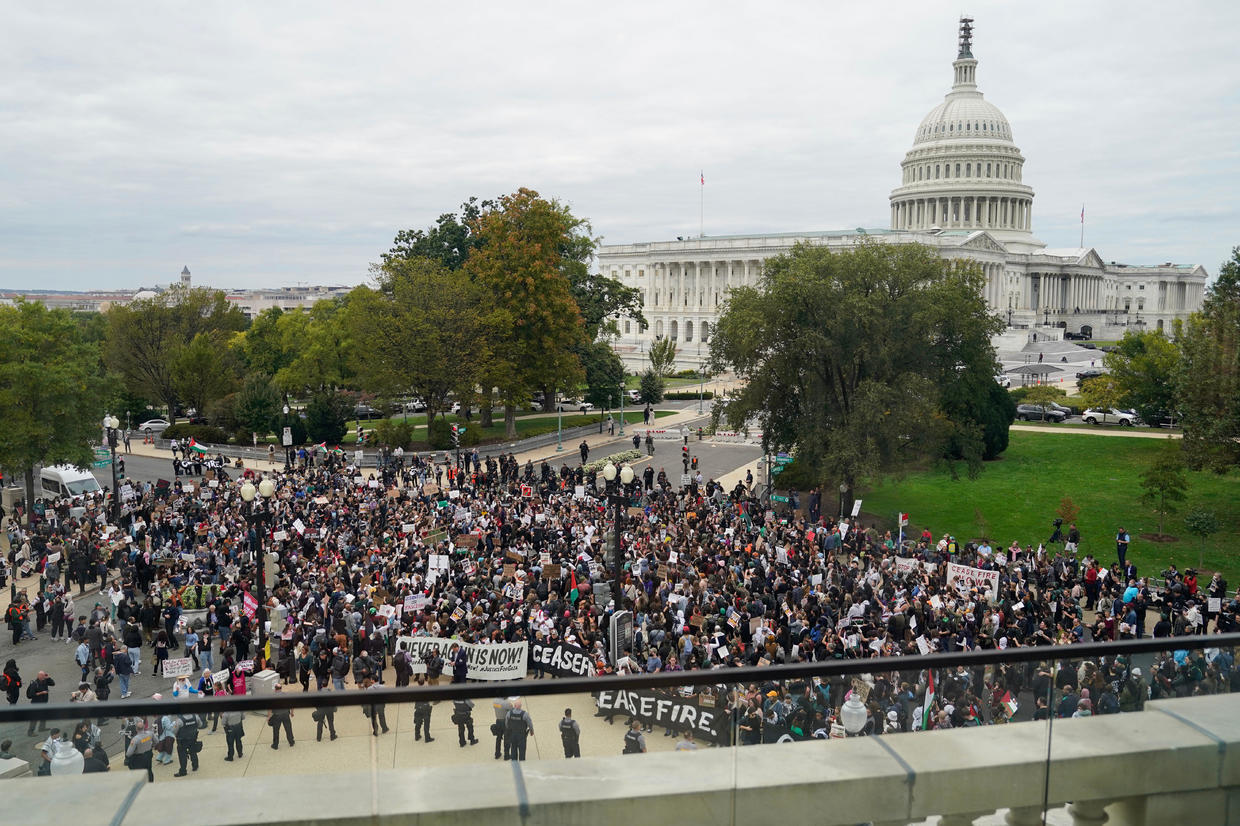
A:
[962,193]
[253,302]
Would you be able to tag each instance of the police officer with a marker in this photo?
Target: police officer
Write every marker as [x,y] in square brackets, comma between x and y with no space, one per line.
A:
[634,740]
[422,715]
[463,716]
[518,726]
[570,734]
[187,743]
[501,708]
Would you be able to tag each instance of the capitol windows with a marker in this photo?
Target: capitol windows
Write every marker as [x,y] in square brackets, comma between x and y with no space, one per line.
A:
[705,330]
[688,331]
[957,170]
[987,170]
[936,170]
[626,327]
[658,329]
[968,170]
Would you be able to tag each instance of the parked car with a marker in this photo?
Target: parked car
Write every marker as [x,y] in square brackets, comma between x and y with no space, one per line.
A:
[1077,336]
[1124,418]
[365,411]
[415,406]
[571,404]
[1173,419]
[1038,413]
[1089,374]
[635,396]
[154,426]
[1003,379]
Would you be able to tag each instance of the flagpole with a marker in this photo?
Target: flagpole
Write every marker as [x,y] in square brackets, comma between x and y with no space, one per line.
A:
[1082,226]
[702,206]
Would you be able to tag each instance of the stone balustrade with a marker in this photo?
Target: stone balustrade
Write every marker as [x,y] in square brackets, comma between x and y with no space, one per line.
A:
[1177,762]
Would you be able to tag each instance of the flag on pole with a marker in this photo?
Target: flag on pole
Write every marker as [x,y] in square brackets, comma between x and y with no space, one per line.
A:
[194,446]
[703,176]
[321,447]
[573,594]
[1082,213]
[1009,703]
[903,519]
[925,711]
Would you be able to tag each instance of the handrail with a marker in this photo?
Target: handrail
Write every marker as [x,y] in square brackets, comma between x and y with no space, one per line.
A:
[576,685]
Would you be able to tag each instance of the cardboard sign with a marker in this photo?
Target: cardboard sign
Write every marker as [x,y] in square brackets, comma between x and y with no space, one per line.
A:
[430,490]
[510,570]
[465,540]
[178,667]
[639,513]
[551,571]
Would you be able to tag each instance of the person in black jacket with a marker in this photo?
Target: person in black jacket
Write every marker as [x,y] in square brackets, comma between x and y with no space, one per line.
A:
[11,681]
[37,693]
[187,743]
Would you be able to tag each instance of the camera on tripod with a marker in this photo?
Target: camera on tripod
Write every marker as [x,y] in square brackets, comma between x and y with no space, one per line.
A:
[1057,536]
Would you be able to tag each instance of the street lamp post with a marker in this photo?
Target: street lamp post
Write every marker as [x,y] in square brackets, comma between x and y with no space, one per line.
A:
[111,423]
[559,425]
[843,490]
[288,448]
[617,499]
[621,408]
[256,516]
[701,384]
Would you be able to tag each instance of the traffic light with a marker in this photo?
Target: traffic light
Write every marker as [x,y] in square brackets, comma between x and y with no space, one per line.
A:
[456,436]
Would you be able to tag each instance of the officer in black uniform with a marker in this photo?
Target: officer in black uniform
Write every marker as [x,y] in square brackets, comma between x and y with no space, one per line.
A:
[570,734]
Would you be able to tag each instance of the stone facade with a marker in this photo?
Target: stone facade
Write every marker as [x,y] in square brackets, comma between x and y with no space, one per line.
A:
[962,192]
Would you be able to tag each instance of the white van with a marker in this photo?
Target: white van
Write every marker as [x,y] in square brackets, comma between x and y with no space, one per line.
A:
[66,480]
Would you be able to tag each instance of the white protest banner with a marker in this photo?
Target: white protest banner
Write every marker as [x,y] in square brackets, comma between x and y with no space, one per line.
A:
[245,665]
[299,526]
[214,483]
[964,578]
[280,536]
[178,667]
[544,558]
[815,580]
[1214,604]
[856,511]
[411,602]
[373,483]
[359,480]
[487,661]
[220,676]
[923,646]
[187,557]
[53,557]
[408,527]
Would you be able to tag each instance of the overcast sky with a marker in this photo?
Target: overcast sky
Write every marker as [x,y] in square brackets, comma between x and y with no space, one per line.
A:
[270,143]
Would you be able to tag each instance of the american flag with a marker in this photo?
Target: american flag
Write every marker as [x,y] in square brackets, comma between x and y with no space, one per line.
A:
[703,177]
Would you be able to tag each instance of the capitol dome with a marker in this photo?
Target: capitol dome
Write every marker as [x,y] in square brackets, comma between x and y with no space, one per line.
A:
[964,171]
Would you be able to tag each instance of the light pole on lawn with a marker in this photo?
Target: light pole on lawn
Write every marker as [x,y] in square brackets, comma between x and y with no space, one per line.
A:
[701,384]
[288,447]
[843,490]
[622,407]
[559,425]
[258,516]
[110,424]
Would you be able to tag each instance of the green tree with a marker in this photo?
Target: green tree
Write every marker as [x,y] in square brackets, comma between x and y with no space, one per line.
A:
[1201,524]
[1102,392]
[145,336]
[319,340]
[604,375]
[448,243]
[844,356]
[327,415]
[264,347]
[526,244]
[1208,378]
[1042,395]
[1164,483]
[257,404]
[1143,367]
[426,331]
[651,387]
[973,404]
[203,370]
[51,391]
[663,357]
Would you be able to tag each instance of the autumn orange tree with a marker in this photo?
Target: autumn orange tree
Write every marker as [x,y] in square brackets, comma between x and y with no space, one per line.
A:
[527,247]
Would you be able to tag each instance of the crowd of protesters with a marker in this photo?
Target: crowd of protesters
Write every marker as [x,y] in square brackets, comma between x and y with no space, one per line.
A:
[714,578]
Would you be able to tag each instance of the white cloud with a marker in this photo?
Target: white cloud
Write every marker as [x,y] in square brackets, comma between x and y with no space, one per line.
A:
[286,141]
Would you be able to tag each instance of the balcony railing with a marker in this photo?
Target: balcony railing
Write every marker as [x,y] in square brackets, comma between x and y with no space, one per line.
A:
[839,742]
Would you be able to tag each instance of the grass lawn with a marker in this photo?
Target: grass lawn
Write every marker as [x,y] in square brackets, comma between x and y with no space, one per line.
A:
[527,427]
[1017,496]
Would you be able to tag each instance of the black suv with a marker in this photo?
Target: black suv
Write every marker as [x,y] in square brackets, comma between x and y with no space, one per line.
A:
[1037,413]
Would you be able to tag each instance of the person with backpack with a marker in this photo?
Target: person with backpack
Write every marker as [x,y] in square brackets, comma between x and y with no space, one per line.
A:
[403,663]
[570,734]
[11,681]
[463,716]
[634,740]
[517,727]
[339,668]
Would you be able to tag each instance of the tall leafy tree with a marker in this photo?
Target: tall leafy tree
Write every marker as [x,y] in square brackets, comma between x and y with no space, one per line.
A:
[448,243]
[604,375]
[1143,367]
[1208,378]
[51,391]
[264,348]
[1163,483]
[321,349]
[203,370]
[663,357]
[145,336]
[427,331]
[846,356]
[257,405]
[528,245]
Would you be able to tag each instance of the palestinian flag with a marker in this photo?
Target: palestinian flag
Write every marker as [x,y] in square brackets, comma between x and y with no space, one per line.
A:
[194,446]
[321,447]
[925,711]
[337,451]
[574,594]
[1009,703]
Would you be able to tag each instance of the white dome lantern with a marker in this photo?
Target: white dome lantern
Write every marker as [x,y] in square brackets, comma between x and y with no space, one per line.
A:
[964,172]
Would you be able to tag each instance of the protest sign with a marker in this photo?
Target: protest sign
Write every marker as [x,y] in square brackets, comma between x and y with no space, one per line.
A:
[1214,604]
[220,676]
[465,540]
[562,659]
[280,536]
[527,492]
[408,527]
[964,578]
[245,665]
[249,604]
[299,526]
[178,667]
[487,661]
[551,571]
[665,710]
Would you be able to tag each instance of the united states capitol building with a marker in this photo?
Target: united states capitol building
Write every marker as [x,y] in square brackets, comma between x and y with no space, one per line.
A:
[962,192]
